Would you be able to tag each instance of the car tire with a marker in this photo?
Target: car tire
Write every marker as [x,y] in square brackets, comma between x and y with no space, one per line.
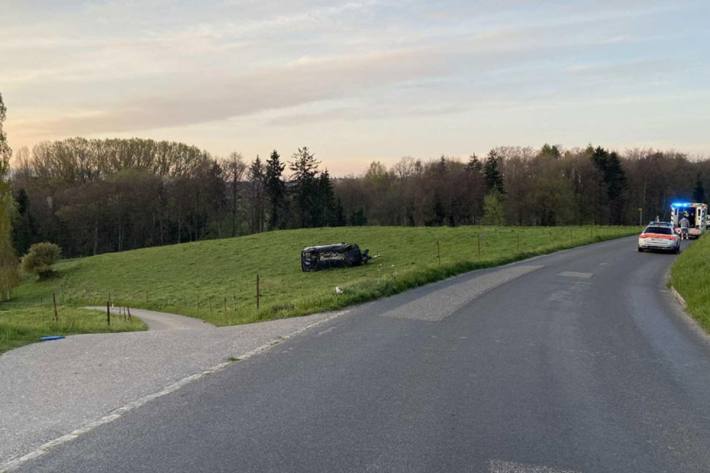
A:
[640,249]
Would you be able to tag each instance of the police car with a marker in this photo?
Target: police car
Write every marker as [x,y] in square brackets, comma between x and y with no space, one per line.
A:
[659,236]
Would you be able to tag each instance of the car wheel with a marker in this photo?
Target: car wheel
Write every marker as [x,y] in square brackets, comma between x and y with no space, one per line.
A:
[640,249]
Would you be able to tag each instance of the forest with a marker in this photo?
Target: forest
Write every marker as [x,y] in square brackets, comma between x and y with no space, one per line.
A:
[99,195]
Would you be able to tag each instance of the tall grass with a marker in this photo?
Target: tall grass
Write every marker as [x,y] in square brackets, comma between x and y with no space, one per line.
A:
[690,276]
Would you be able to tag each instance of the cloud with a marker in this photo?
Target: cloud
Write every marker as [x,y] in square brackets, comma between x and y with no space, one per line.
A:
[167,67]
[364,112]
[300,82]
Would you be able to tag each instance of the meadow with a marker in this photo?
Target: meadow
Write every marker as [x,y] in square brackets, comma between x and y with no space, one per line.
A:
[215,280]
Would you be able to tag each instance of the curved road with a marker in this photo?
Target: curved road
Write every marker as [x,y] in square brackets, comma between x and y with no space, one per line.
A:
[574,362]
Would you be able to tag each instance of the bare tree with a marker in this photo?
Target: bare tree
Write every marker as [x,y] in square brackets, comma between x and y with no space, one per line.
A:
[234,168]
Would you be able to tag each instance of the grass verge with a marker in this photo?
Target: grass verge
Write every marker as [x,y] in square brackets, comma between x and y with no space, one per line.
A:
[22,325]
[690,276]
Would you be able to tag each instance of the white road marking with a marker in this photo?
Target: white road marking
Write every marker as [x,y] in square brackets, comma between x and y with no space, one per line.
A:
[575,274]
[497,466]
[325,331]
[17,462]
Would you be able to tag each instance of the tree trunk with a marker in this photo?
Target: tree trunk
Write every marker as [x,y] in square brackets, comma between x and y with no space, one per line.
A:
[96,237]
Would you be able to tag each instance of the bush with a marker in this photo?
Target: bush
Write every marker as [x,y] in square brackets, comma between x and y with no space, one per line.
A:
[40,258]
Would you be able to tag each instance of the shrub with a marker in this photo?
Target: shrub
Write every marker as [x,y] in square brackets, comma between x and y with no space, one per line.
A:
[40,258]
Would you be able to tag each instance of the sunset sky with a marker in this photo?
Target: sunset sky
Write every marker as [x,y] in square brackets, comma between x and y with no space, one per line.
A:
[358,81]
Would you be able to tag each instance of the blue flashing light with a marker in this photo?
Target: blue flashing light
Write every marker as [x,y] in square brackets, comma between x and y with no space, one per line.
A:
[681,204]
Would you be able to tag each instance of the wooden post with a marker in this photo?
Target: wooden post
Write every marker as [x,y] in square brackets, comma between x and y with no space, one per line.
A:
[130,317]
[517,234]
[438,251]
[108,312]
[225,304]
[479,244]
[258,293]
[54,301]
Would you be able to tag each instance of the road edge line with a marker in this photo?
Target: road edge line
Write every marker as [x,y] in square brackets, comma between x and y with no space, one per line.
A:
[17,462]
[679,298]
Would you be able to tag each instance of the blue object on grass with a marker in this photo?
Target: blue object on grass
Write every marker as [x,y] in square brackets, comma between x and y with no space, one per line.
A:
[47,338]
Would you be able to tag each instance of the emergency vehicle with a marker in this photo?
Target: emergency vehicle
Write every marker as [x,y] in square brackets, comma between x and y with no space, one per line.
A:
[696,213]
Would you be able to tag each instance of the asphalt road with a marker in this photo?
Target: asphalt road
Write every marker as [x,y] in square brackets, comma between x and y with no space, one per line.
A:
[574,362]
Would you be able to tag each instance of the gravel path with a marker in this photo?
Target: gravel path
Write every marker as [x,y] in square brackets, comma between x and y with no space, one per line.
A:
[51,389]
[162,320]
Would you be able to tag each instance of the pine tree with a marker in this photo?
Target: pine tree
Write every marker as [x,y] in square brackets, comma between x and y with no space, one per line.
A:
[550,151]
[491,171]
[474,165]
[613,176]
[305,169]
[326,209]
[275,190]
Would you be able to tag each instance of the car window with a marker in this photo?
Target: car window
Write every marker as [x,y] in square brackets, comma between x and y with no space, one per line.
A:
[661,230]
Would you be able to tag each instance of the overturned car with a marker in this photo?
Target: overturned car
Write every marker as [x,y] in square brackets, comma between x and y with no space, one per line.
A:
[337,255]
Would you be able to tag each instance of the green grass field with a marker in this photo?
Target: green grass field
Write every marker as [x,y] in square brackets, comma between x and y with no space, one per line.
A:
[22,325]
[216,280]
[690,276]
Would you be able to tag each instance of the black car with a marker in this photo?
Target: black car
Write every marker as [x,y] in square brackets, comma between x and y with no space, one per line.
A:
[337,255]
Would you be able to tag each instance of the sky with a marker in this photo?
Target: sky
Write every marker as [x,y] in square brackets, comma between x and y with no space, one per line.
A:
[359,80]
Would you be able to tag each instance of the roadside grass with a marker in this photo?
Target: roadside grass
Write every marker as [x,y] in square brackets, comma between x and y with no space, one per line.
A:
[690,276]
[216,280]
[22,325]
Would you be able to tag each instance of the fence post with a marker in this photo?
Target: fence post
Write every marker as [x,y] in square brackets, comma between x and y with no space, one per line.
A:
[108,312]
[479,243]
[438,251]
[258,293]
[54,301]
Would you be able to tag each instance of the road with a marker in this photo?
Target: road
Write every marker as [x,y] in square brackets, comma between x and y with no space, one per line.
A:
[578,361]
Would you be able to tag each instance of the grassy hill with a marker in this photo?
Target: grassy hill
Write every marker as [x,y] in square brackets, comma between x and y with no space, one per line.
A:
[216,280]
[691,277]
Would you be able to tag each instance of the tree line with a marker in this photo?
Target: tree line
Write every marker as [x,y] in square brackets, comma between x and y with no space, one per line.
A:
[99,195]
[524,186]
[93,196]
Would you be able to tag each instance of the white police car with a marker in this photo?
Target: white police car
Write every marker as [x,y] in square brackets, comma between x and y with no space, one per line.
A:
[659,236]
